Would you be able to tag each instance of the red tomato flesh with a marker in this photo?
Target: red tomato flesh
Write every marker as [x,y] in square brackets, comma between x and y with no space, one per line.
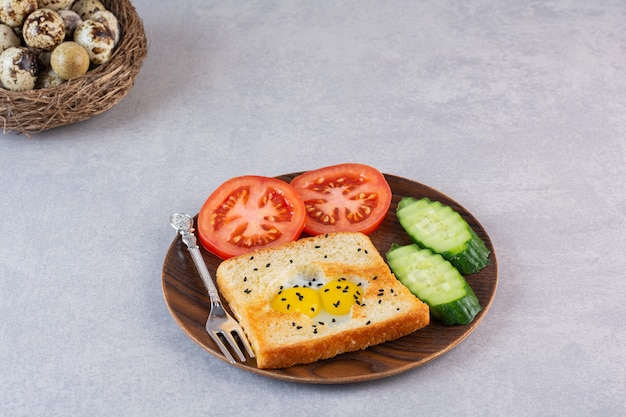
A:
[248,213]
[343,198]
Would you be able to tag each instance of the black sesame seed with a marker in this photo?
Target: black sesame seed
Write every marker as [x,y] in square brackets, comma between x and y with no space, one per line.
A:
[255,269]
[325,256]
[375,277]
[293,323]
[334,321]
[299,327]
[283,299]
[315,331]
[288,306]
[252,257]
[380,300]
[327,289]
[366,251]
[336,305]
[247,291]
[358,250]
[317,246]
[368,323]
[291,261]
[245,279]
[267,265]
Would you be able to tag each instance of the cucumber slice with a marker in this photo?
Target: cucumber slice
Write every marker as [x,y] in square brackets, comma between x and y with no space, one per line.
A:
[442,230]
[436,282]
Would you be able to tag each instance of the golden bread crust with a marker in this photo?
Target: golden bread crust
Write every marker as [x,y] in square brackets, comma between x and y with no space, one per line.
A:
[387,311]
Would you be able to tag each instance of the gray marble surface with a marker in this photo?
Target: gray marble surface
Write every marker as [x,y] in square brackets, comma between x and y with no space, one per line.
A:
[517,110]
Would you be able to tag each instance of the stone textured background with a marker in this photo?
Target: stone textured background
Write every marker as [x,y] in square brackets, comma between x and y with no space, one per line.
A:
[517,110]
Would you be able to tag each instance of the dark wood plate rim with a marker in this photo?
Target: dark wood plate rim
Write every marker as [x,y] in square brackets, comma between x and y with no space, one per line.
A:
[188,304]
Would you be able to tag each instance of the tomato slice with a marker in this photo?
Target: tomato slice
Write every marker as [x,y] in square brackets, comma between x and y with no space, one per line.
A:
[248,213]
[346,197]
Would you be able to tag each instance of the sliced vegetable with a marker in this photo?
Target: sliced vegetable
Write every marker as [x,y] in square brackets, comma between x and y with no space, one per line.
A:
[436,282]
[248,213]
[346,197]
[441,229]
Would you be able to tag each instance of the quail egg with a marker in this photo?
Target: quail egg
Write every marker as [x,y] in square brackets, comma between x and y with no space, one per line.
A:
[97,39]
[85,8]
[14,12]
[8,38]
[72,21]
[43,30]
[69,60]
[54,4]
[19,68]
[110,21]
[48,79]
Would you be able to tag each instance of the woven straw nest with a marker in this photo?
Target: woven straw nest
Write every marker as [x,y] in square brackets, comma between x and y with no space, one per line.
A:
[80,98]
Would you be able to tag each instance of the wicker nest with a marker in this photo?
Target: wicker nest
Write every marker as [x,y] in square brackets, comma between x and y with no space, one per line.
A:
[82,97]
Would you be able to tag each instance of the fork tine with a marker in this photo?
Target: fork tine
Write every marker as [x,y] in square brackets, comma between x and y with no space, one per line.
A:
[233,344]
[216,338]
[244,341]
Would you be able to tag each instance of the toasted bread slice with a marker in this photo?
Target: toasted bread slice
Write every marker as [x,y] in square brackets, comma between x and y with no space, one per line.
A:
[383,308]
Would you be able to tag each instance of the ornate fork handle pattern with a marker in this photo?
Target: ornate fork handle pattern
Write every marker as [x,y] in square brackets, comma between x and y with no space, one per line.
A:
[189,239]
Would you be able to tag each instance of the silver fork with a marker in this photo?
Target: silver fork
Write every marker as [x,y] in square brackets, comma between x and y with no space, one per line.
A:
[219,325]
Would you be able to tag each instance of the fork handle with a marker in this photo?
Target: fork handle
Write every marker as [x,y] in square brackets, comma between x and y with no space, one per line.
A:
[190,240]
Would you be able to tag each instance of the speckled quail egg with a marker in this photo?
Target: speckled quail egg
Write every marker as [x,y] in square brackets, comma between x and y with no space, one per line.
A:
[8,38]
[72,21]
[110,20]
[85,8]
[97,39]
[19,68]
[14,12]
[43,30]
[48,79]
[54,4]
[69,60]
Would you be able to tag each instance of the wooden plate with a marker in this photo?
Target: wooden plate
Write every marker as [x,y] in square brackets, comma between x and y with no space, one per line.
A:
[189,304]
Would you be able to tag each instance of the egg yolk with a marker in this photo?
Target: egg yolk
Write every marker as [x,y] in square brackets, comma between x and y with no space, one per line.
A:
[298,300]
[339,296]
[336,298]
